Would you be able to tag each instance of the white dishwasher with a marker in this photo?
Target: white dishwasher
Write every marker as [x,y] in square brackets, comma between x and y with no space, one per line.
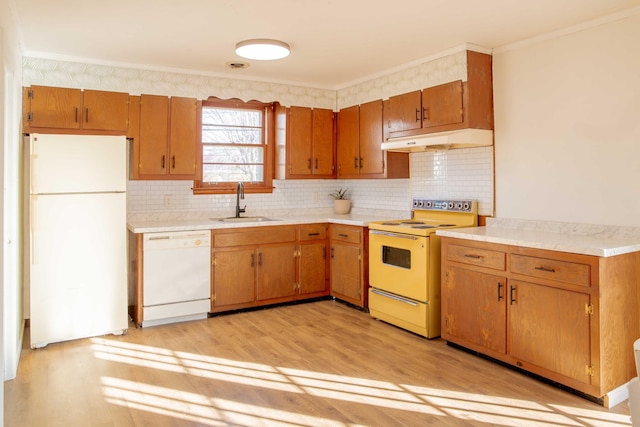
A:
[176,276]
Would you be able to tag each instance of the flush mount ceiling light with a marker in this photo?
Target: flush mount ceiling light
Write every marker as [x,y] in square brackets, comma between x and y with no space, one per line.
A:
[263,49]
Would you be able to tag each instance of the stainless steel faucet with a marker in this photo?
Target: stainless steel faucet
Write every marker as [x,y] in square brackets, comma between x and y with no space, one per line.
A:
[240,195]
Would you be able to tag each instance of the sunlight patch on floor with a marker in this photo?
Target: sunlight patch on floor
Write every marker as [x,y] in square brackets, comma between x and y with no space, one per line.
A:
[201,409]
[495,410]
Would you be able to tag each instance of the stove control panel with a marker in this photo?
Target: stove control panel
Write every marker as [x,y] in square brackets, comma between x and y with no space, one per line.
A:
[444,205]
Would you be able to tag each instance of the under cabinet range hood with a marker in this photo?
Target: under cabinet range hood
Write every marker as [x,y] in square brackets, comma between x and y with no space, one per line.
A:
[464,138]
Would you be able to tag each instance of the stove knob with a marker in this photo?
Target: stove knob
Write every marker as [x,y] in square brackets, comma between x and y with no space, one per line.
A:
[466,206]
[428,204]
[458,205]
[450,206]
[421,203]
[415,203]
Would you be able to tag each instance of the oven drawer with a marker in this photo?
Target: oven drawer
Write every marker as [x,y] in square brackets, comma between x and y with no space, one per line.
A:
[553,269]
[402,312]
[344,234]
[476,256]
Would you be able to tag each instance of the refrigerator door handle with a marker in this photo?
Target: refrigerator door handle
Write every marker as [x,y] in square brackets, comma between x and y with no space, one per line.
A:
[33,228]
[33,161]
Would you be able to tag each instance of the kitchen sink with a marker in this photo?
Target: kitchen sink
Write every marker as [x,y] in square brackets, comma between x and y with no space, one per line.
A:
[245,219]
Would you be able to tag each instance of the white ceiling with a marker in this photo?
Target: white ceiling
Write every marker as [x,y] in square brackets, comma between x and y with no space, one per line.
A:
[334,42]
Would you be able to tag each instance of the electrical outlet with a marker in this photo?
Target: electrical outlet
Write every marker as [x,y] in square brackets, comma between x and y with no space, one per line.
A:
[168,200]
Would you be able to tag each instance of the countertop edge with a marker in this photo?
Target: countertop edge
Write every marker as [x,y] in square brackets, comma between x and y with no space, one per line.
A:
[483,234]
[140,227]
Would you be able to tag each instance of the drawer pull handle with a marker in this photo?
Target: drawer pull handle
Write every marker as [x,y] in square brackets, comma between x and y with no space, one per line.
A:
[343,235]
[395,297]
[313,234]
[512,295]
[548,270]
[473,256]
[253,260]
[499,291]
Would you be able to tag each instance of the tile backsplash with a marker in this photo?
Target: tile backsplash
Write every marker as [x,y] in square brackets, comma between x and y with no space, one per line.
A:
[455,174]
[463,173]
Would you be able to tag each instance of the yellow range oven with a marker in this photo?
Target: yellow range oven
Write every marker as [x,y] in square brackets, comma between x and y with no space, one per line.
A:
[404,264]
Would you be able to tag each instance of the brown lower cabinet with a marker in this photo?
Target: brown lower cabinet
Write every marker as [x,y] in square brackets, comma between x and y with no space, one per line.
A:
[349,263]
[256,266]
[571,318]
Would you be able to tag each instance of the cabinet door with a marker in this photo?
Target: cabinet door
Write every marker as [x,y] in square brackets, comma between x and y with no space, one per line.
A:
[474,308]
[234,277]
[371,154]
[299,141]
[105,110]
[154,118]
[54,107]
[442,105]
[183,135]
[276,271]
[346,280]
[323,142]
[549,328]
[313,268]
[404,112]
[348,142]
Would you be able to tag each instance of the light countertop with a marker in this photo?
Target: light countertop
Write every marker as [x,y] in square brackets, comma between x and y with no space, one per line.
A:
[164,223]
[587,239]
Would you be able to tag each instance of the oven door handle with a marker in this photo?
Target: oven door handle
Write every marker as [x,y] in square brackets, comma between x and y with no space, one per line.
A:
[395,297]
[386,233]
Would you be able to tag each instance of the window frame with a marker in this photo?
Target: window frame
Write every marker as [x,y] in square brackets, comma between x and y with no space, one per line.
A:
[268,127]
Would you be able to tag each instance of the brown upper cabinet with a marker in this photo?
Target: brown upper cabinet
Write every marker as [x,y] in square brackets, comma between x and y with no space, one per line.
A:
[166,142]
[450,106]
[310,143]
[55,109]
[360,134]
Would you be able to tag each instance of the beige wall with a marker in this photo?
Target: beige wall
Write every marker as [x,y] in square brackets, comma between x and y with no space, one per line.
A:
[567,116]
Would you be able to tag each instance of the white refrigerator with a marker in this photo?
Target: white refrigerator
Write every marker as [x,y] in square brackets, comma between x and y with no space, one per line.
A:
[77,237]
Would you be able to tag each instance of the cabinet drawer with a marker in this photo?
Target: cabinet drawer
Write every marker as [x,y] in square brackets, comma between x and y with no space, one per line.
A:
[313,232]
[476,256]
[553,269]
[344,234]
[255,237]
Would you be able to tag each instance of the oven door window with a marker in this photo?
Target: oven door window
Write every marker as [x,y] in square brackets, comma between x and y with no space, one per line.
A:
[396,257]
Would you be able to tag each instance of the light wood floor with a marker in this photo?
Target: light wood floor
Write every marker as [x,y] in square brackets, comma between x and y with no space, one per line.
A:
[315,364]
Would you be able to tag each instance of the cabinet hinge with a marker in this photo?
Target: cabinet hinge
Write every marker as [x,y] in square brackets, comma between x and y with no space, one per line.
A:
[30,94]
[213,297]
[29,117]
[588,309]
[588,370]
[213,262]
